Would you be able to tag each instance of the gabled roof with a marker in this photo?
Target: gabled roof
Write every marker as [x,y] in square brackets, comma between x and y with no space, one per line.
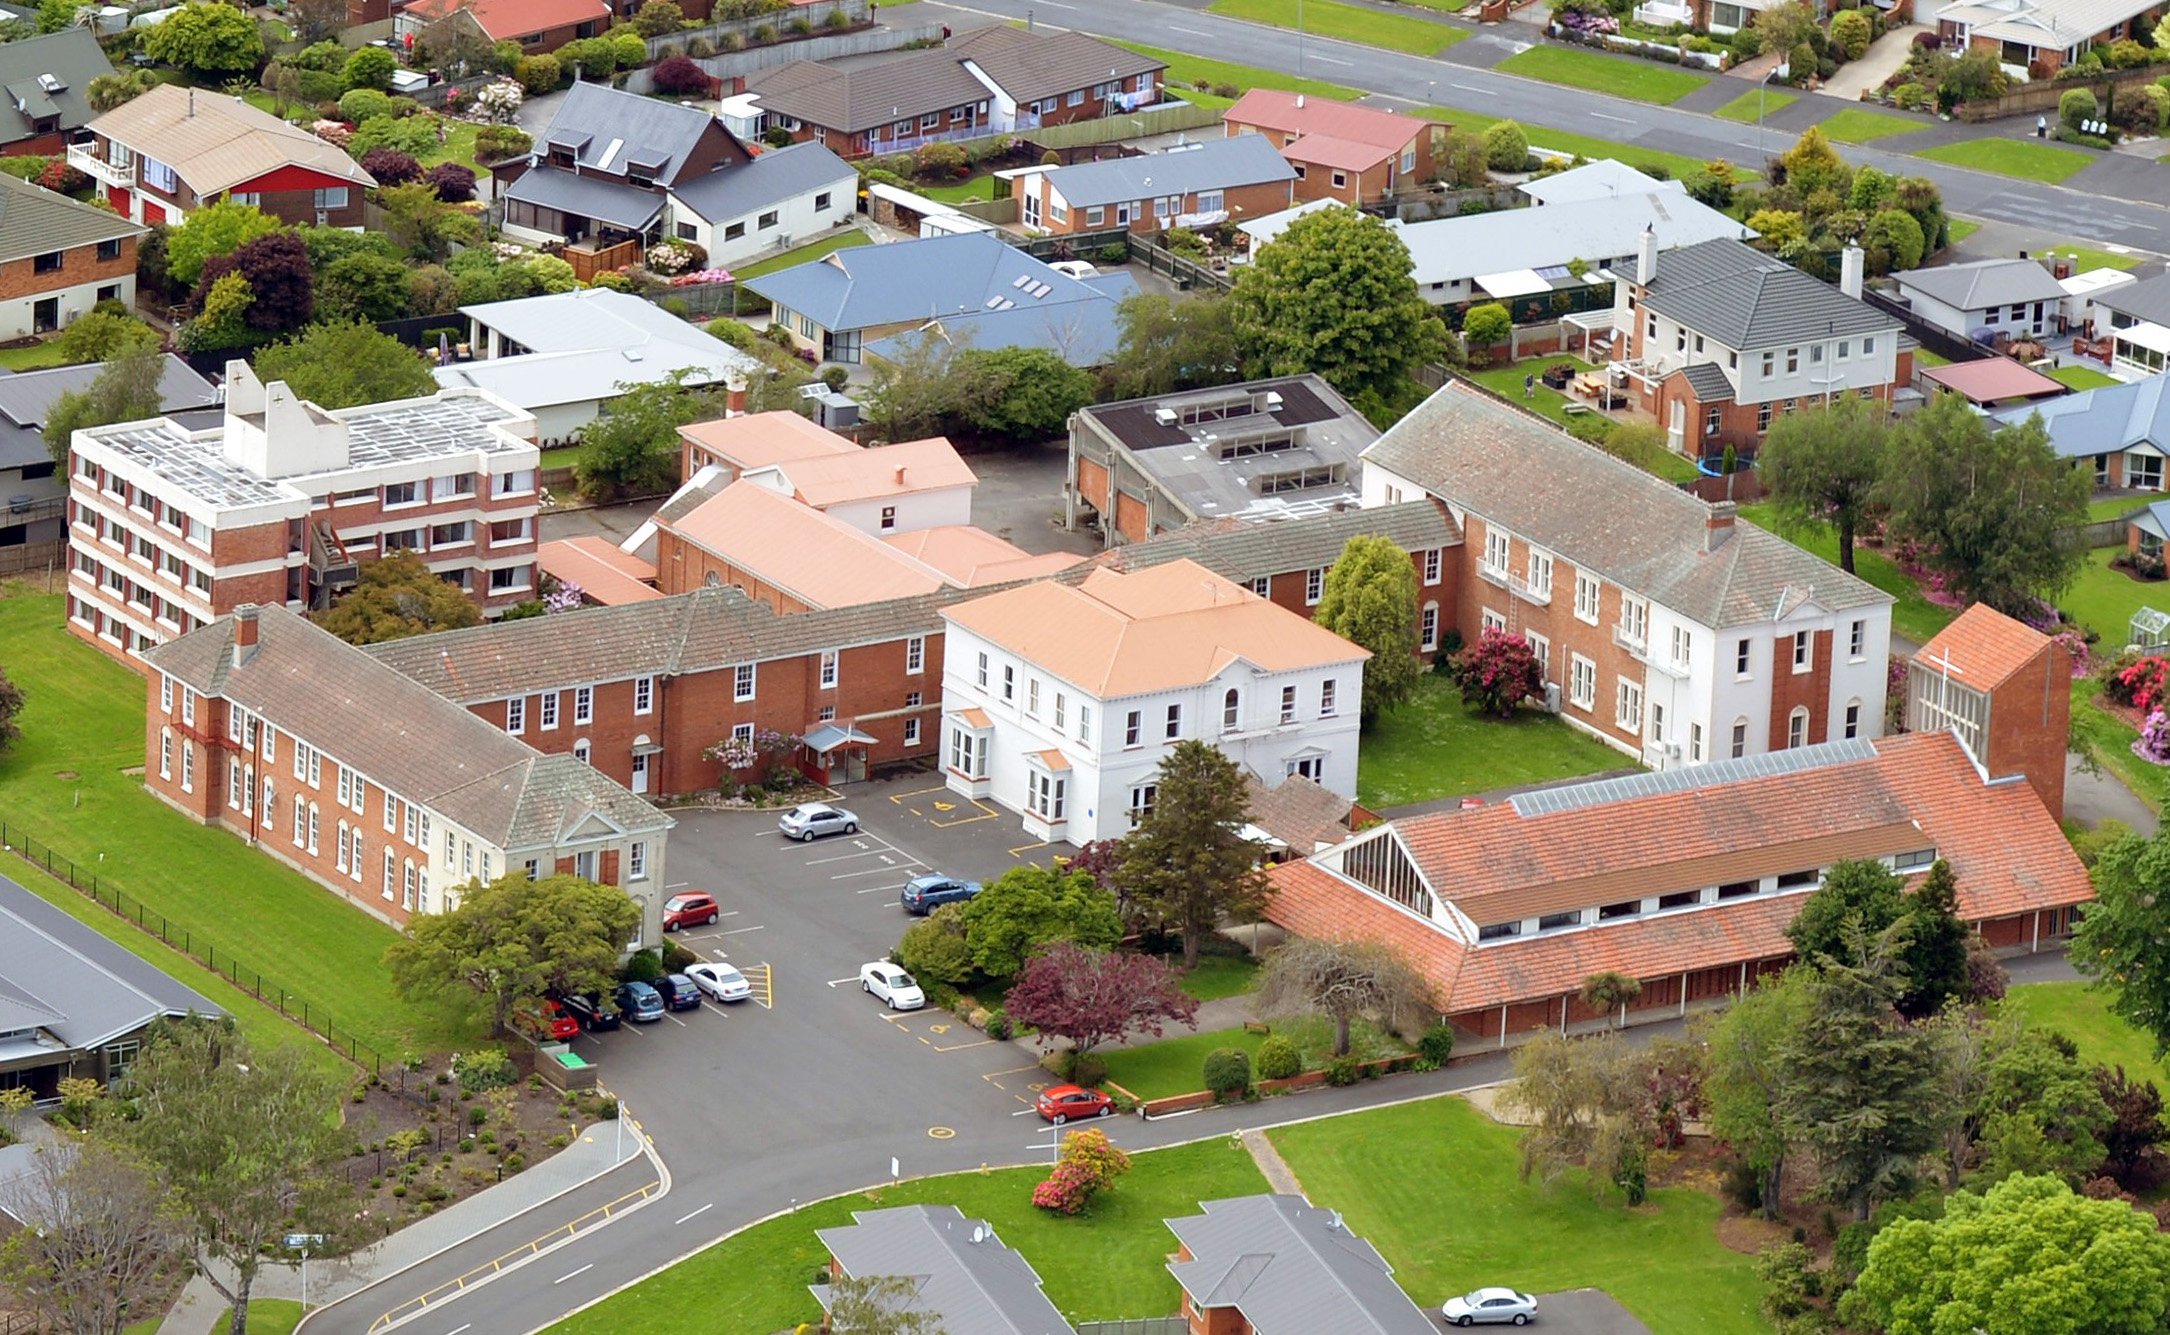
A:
[310,684]
[596,197]
[1298,813]
[758,439]
[2050,24]
[600,570]
[1980,284]
[1120,634]
[2148,299]
[1708,381]
[1290,1268]
[1982,648]
[1747,300]
[1992,380]
[1328,132]
[962,1274]
[818,560]
[2103,421]
[1602,179]
[1605,515]
[927,279]
[1446,250]
[1033,65]
[1083,332]
[974,558]
[59,975]
[1242,551]
[582,345]
[776,177]
[610,130]
[216,142]
[501,19]
[1212,164]
[47,76]
[877,472]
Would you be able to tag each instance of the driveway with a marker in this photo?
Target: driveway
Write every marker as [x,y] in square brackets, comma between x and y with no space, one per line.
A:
[1878,63]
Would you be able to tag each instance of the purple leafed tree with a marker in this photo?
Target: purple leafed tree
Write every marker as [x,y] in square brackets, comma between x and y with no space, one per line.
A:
[1499,672]
[1092,997]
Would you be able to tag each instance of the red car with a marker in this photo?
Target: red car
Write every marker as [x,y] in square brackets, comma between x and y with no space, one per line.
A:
[693,910]
[550,1020]
[1066,1103]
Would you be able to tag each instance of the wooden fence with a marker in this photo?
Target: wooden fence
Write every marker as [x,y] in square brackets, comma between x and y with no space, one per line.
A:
[1186,274]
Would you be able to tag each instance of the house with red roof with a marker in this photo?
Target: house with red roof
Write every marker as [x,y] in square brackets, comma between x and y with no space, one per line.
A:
[1339,150]
[539,26]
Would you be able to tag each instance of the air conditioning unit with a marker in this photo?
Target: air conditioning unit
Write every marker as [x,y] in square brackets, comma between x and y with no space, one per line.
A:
[1165,416]
[1552,697]
[1672,750]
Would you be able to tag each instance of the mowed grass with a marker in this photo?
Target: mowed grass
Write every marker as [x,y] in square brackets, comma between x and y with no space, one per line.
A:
[1506,381]
[1856,126]
[804,254]
[2023,159]
[2088,257]
[1747,108]
[1957,230]
[1435,746]
[1349,23]
[2086,377]
[1433,1186]
[2103,599]
[1185,71]
[1637,80]
[2108,738]
[1912,616]
[31,356]
[1546,139]
[65,785]
[1108,1263]
[1220,976]
[962,192]
[2083,1015]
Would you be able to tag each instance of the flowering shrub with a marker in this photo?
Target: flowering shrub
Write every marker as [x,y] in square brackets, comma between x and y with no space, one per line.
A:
[765,753]
[2154,743]
[2140,684]
[700,276]
[566,597]
[1498,672]
[498,100]
[1089,1163]
[670,257]
[1066,1189]
[2075,644]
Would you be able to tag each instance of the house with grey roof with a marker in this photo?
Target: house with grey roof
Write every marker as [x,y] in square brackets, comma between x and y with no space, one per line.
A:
[2043,36]
[1279,1265]
[2119,433]
[30,482]
[779,199]
[1984,299]
[58,258]
[1664,628]
[1717,339]
[1203,184]
[958,1272]
[972,288]
[45,79]
[74,1003]
[374,786]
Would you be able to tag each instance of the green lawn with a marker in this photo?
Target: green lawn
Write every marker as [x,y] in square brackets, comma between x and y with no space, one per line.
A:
[2117,507]
[1957,230]
[1857,126]
[1186,70]
[1913,616]
[1109,1263]
[1748,108]
[1924,357]
[2089,257]
[561,457]
[1447,6]
[1220,976]
[2021,158]
[2103,600]
[1620,76]
[1433,1186]
[2083,1015]
[1175,1066]
[841,241]
[962,192]
[267,1316]
[2108,738]
[1506,381]
[65,784]
[1435,746]
[2086,377]
[1567,141]
[1349,23]
[31,356]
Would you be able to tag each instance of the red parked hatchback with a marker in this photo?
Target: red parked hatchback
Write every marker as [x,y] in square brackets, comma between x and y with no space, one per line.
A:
[695,910]
[1067,1103]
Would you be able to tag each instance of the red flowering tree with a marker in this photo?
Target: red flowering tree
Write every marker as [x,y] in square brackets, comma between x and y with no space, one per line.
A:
[1093,996]
[1498,672]
[2139,684]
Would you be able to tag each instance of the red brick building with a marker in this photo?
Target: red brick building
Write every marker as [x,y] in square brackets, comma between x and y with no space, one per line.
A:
[1339,150]
[2005,690]
[59,258]
[1201,185]
[539,26]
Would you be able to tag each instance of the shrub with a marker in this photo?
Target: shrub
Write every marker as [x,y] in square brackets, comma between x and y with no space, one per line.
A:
[484,1068]
[1228,1072]
[998,1025]
[643,967]
[453,183]
[370,67]
[1850,33]
[415,135]
[390,166]
[2076,105]
[1506,147]
[680,77]
[1437,1043]
[938,161]
[538,74]
[1342,1071]
[1089,1163]
[363,103]
[1910,96]
[1278,1059]
[1083,1068]
[495,143]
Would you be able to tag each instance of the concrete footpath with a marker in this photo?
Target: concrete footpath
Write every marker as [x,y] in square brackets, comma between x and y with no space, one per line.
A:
[201,1311]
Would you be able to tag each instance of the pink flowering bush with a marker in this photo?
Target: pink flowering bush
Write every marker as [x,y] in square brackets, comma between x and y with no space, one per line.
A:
[2139,684]
[1089,1163]
[1498,672]
[2075,644]
[1066,1189]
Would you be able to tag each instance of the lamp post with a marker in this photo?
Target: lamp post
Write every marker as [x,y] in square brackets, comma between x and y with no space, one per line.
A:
[303,1242]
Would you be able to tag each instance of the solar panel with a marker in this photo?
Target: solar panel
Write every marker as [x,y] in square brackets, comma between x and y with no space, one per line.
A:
[1718,773]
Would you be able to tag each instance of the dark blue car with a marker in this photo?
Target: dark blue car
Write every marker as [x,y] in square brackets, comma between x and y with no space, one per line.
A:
[641,1003]
[924,894]
[678,992]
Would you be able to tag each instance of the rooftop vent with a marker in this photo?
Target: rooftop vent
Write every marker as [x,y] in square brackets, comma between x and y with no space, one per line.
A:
[51,83]
[1165,416]
[1273,400]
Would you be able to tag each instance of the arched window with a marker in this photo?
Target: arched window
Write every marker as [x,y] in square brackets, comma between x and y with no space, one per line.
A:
[1231,707]
[1797,727]
[580,750]
[339,850]
[1853,719]
[1430,626]
[1739,742]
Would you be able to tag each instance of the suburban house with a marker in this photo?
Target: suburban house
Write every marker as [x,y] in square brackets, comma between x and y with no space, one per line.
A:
[45,79]
[1265,1265]
[30,481]
[973,287]
[2120,432]
[1984,299]
[1604,178]
[1339,150]
[736,444]
[882,490]
[161,156]
[1719,338]
[2037,38]
[172,527]
[1262,450]
[79,1005]
[783,196]
[964,1279]
[59,258]
[1665,628]
[371,785]
[2135,317]
[539,26]
[1192,185]
[1060,701]
[997,80]
[561,357]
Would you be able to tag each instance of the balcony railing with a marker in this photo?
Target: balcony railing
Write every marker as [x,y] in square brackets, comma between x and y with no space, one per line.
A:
[98,169]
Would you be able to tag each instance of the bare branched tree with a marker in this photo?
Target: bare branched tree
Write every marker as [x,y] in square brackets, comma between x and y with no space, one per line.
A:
[879,1305]
[1341,980]
[99,1237]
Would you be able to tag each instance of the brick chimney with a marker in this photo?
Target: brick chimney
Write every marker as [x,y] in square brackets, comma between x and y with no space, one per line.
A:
[244,633]
[1718,525]
[734,396]
[900,475]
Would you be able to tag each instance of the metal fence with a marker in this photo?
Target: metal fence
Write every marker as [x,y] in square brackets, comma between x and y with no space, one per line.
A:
[1142,1325]
[293,1005]
[698,299]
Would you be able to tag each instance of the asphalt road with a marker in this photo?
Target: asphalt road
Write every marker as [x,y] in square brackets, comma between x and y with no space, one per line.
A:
[2119,200]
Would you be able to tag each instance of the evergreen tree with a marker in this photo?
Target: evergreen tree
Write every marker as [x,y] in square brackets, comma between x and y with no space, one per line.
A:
[1370,600]
[1187,864]
[1934,958]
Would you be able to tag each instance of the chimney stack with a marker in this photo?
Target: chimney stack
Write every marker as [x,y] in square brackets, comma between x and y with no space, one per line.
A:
[1718,525]
[1852,264]
[900,475]
[1646,262]
[244,633]
[734,396]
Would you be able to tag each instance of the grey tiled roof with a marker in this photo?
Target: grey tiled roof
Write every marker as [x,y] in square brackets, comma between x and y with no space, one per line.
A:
[1980,284]
[1708,381]
[1603,514]
[596,197]
[27,396]
[970,1287]
[59,975]
[614,129]
[1033,65]
[72,57]
[776,176]
[1211,164]
[414,741]
[2099,421]
[1290,1267]
[927,279]
[2147,300]
[1242,550]
[1746,299]
[34,220]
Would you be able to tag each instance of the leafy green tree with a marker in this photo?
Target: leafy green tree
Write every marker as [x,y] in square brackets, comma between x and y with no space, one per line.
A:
[1812,165]
[1965,1039]
[2120,943]
[917,393]
[1187,865]
[1858,900]
[1166,344]
[1934,958]
[210,40]
[1893,241]
[216,229]
[397,596]
[1019,912]
[659,18]
[1823,467]
[1486,326]
[11,706]
[1026,395]
[868,1304]
[1370,600]
[370,67]
[2040,1109]
[1609,991]
[362,287]
[250,1144]
[425,226]
[2026,1257]
[98,1236]
[634,450]
[341,365]
[500,945]
[222,317]
[1506,146]
[1997,512]
[1333,294]
[1782,232]
[53,15]
[1586,1101]
[1341,980]
[934,949]
[98,336]
[1746,1043]
[127,389]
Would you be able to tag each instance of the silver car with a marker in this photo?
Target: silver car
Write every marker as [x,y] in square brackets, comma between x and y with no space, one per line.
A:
[720,981]
[1490,1307]
[815,819]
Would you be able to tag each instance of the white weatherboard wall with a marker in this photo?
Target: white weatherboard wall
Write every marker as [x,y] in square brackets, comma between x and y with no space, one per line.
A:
[797,219]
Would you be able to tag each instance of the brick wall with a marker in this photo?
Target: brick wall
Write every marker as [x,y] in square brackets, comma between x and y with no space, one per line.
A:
[683,566]
[1794,689]
[19,278]
[2029,719]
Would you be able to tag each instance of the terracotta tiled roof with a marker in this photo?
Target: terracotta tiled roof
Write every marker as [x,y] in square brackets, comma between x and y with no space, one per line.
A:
[515,18]
[823,562]
[758,439]
[976,558]
[1298,812]
[602,571]
[1983,648]
[877,472]
[1302,114]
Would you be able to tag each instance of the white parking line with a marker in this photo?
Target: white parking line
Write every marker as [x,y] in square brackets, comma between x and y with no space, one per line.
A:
[871,871]
[1329,60]
[1603,117]
[853,979]
[675,1020]
[1022,1111]
[846,857]
[737,930]
[682,1218]
[674,885]
[581,1271]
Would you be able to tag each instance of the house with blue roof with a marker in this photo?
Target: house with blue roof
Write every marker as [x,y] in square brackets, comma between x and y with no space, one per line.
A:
[2120,431]
[971,289]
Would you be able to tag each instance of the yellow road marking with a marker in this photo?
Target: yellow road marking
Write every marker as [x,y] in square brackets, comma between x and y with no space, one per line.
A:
[954,1047]
[898,798]
[938,1028]
[1027,848]
[981,812]
[941,1132]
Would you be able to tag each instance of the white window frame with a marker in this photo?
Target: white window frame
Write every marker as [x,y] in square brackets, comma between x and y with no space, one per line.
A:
[1588,598]
[1581,682]
[583,705]
[742,683]
[644,695]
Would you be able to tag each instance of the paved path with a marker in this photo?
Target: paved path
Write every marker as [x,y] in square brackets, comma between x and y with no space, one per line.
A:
[1882,60]
[1277,1173]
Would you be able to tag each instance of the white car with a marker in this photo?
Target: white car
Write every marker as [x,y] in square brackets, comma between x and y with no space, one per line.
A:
[896,988]
[815,819]
[1490,1307]
[720,981]
[1075,268]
